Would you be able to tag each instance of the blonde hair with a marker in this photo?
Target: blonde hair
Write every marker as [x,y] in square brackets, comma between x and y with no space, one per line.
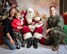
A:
[17,11]
[36,13]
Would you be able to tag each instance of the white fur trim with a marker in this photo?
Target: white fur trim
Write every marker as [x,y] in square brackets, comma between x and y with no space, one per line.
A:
[39,25]
[37,35]
[32,28]
[37,18]
[30,9]
[27,35]
[21,22]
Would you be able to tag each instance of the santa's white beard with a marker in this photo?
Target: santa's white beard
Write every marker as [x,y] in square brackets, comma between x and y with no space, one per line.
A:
[29,17]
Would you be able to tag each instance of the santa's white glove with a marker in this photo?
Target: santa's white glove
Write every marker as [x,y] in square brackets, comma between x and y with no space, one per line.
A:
[32,28]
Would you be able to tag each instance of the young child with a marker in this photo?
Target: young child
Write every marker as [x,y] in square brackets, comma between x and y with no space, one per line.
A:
[17,26]
[38,22]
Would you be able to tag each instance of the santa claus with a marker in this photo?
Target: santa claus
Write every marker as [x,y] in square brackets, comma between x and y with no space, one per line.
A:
[32,31]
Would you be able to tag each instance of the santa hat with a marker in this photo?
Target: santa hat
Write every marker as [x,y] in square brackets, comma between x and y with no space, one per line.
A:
[30,9]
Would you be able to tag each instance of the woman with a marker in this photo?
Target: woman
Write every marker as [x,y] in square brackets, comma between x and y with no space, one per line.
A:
[8,31]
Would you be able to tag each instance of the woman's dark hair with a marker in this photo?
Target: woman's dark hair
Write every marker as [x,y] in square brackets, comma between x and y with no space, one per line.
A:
[10,11]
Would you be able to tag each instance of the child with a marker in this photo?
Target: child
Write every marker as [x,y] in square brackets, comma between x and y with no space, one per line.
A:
[38,22]
[17,26]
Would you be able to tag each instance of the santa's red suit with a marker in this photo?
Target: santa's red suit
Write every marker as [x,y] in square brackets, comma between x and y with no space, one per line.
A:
[37,29]
[30,30]
[27,20]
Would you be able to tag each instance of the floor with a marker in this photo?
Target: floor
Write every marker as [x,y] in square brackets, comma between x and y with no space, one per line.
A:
[41,50]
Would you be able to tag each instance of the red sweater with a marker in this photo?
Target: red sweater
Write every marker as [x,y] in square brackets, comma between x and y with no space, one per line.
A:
[16,23]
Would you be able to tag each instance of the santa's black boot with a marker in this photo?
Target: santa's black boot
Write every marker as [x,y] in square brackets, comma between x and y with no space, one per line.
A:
[23,45]
[29,42]
[35,43]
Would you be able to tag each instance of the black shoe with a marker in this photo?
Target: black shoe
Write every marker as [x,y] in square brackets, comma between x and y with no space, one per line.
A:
[29,42]
[17,46]
[23,45]
[35,44]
